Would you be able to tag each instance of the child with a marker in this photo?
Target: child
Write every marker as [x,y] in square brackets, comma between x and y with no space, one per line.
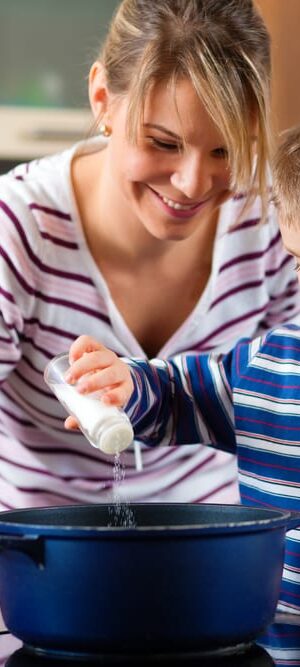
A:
[245,402]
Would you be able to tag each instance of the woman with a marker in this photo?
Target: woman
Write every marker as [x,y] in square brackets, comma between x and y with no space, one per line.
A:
[148,237]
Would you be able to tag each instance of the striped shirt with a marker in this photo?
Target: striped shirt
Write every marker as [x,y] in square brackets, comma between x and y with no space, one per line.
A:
[51,291]
[246,402]
[282,640]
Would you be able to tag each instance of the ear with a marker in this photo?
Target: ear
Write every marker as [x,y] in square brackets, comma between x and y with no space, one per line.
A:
[98,91]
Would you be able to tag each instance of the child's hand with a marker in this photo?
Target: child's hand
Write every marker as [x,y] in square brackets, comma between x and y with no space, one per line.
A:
[95,368]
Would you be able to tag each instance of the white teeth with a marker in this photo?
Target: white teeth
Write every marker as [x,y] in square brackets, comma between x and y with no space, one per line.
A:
[176,205]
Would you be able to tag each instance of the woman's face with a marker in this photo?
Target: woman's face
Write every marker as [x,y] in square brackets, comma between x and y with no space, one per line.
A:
[170,186]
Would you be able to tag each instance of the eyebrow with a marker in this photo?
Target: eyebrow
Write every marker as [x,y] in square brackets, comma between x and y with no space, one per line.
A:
[162,129]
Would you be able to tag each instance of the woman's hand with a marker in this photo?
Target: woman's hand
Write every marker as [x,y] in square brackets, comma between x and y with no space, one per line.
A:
[94,367]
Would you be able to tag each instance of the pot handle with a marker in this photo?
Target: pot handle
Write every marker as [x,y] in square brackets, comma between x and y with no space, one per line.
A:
[32,546]
[293,521]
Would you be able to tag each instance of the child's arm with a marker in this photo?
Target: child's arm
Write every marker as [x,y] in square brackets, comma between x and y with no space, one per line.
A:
[184,400]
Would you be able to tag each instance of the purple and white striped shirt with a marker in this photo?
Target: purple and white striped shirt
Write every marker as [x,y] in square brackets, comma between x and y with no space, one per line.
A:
[51,291]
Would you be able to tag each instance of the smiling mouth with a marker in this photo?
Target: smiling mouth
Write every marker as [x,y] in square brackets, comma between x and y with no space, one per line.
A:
[175,204]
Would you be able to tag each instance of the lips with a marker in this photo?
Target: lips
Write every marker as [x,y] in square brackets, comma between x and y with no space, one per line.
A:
[177,205]
[177,208]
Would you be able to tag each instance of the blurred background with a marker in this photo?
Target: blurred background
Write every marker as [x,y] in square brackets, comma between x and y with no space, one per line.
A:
[283,20]
[47,47]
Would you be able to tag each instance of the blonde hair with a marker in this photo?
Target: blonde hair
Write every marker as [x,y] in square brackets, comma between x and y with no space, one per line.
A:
[222,47]
[286,177]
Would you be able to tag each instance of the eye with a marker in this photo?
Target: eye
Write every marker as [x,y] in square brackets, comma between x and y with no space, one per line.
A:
[164,145]
[220,153]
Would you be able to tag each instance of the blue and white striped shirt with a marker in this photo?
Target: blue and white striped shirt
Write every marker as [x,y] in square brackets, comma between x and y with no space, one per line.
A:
[246,402]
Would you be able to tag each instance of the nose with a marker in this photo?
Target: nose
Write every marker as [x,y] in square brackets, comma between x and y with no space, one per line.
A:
[193,176]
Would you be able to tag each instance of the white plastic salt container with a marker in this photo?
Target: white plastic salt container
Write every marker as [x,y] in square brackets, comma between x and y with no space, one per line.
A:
[106,427]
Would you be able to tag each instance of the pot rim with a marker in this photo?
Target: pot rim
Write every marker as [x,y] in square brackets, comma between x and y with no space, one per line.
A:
[271,520]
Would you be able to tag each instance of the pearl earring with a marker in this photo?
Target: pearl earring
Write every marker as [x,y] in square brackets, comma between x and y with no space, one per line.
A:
[105,130]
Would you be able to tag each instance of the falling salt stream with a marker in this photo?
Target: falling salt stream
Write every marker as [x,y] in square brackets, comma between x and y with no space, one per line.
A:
[105,426]
[120,512]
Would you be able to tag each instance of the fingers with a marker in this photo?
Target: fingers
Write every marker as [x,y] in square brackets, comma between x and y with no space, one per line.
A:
[117,396]
[89,363]
[81,345]
[114,383]
[94,368]
[103,378]
[71,423]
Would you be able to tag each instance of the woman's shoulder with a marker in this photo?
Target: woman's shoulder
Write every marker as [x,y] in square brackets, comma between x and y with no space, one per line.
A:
[36,178]
[43,182]
[34,196]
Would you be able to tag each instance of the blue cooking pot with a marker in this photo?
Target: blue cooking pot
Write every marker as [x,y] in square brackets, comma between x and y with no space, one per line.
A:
[183,578]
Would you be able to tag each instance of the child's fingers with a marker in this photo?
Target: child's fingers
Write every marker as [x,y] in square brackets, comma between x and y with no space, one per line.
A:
[105,378]
[118,396]
[71,423]
[81,345]
[90,363]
